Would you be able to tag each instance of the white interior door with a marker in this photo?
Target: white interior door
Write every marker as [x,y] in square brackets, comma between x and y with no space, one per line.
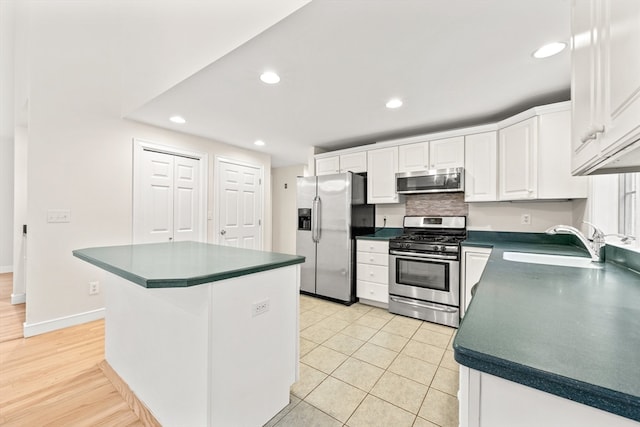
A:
[156,207]
[240,198]
[186,202]
[169,194]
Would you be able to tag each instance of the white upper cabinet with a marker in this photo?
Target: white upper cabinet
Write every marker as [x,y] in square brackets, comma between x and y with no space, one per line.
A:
[481,167]
[328,165]
[554,159]
[535,159]
[605,85]
[446,153]
[381,176]
[353,162]
[518,165]
[584,93]
[413,157]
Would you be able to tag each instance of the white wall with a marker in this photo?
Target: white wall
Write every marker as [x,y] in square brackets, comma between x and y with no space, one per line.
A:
[21,139]
[284,207]
[506,216]
[7,14]
[80,154]
[394,213]
[6,205]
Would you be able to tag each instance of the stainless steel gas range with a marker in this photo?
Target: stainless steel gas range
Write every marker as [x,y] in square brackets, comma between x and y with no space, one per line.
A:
[424,269]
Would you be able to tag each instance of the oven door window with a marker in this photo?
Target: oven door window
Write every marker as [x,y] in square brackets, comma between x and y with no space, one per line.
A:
[423,274]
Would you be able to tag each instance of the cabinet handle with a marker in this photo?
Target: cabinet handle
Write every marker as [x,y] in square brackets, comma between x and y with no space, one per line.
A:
[592,133]
[370,259]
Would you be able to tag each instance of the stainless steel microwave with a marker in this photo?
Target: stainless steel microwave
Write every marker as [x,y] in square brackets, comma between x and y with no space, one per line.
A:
[430,181]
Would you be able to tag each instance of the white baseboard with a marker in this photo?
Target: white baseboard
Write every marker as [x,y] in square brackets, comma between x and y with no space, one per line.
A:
[62,322]
[6,269]
[18,298]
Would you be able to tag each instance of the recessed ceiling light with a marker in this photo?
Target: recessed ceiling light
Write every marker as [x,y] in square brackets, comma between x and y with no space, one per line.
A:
[269,77]
[394,103]
[259,142]
[178,119]
[549,50]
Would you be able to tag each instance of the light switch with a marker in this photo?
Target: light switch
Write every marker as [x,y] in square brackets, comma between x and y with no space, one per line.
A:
[58,215]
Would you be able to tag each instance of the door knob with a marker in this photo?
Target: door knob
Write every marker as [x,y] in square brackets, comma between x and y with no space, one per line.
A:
[223,232]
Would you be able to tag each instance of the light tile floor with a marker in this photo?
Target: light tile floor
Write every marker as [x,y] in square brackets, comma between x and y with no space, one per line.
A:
[363,366]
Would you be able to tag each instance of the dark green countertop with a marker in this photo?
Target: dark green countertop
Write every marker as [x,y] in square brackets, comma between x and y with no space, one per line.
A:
[382,234]
[572,332]
[182,264]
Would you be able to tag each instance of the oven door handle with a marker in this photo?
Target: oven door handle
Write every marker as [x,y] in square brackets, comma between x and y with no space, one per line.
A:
[435,307]
[423,256]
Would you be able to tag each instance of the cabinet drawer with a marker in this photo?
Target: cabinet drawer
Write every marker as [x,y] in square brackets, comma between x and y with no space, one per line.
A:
[372,291]
[373,273]
[373,258]
[378,246]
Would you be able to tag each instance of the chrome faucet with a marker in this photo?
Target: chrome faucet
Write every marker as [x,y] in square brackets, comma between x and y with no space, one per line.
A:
[594,246]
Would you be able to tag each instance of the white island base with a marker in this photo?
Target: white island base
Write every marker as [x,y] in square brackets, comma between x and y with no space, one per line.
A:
[201,355]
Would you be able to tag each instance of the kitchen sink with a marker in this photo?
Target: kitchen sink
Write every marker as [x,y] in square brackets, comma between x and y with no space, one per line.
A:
[548,259]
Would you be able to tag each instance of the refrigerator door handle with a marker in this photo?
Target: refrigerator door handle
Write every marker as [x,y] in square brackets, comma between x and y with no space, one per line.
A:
[315,229]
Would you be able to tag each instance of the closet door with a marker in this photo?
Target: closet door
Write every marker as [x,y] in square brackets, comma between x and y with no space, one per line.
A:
[186,212]
[167,203]
[155,211]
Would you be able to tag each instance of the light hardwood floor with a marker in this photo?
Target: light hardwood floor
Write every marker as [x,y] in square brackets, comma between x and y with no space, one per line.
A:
[55,379]
[11,315]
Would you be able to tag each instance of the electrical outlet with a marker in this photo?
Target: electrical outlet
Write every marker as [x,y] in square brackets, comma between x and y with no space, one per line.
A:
[525,219]
[259,308]
[94,288]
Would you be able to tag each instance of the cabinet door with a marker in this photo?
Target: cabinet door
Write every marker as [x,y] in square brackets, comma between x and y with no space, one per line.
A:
[413,157]
[481,167]
[446,153]
[518,160]
[620,56]
[585,86]
[328,165]
[554,168]
[473,263]
[353,162]
[381,176]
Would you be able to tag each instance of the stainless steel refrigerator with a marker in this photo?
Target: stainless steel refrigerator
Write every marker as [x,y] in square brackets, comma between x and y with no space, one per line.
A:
[332,211]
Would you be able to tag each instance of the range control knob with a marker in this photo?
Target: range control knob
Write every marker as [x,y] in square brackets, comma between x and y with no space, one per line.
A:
[407,245]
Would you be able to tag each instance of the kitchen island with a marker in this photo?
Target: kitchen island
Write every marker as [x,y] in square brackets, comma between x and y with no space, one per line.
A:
[202,334]
[551,345]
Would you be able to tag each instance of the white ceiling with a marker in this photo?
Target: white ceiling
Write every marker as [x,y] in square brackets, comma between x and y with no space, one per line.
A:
[453,62]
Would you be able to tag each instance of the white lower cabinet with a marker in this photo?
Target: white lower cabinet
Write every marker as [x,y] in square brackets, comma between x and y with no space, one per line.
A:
[474,260]
[487,400]
[372,272]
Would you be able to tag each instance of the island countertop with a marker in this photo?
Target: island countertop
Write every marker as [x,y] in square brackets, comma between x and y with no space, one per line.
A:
[182,264]
[572,332]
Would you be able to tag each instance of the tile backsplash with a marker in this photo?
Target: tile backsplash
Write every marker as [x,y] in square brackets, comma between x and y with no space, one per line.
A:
[437,204]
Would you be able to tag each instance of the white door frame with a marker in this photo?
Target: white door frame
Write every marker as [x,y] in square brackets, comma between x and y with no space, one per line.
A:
[139,145]
[216,196]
